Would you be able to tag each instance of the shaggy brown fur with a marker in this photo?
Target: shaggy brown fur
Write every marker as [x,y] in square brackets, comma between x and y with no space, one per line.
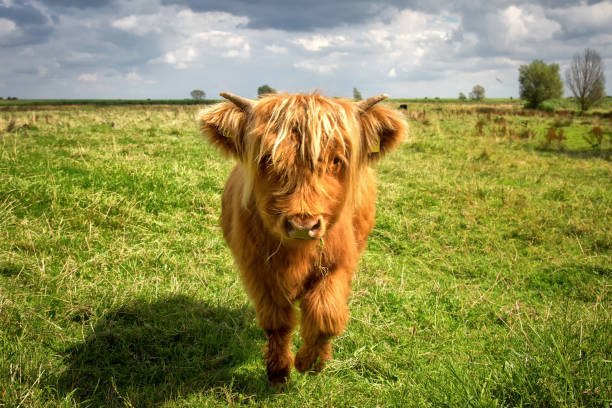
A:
[297,210]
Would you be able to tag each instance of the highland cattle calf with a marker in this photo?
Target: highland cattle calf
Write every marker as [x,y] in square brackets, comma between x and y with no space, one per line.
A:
[298,207]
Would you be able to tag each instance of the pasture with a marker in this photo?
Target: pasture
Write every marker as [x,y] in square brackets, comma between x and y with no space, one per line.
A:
[486,281]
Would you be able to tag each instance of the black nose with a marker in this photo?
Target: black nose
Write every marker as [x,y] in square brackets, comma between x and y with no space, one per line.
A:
[303,227]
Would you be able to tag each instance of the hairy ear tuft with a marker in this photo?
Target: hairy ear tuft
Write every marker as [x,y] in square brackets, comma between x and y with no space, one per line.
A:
[224,125]
[382,129]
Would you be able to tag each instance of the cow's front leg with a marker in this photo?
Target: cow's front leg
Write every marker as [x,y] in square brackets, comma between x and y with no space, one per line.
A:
[278,321]
[324,315]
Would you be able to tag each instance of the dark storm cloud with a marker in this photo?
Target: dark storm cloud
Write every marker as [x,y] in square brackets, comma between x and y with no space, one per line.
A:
[296,15]
[476,16]
[23,14]
[77,4]
[104,47]
[25,71]
[299,15]
[32,25]
[408,47]
[564,3]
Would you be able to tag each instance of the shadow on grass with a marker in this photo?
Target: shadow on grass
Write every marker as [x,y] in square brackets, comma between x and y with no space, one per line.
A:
[605,154]
[10,270]
[145,354]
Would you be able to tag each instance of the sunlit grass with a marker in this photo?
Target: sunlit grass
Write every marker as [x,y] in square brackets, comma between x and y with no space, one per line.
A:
[486,281]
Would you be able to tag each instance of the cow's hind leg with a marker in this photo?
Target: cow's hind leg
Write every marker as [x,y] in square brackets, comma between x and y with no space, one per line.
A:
[324,315]
[278,322]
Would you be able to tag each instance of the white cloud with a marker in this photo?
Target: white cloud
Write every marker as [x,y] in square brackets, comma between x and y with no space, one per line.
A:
[189,50]
[28,52]
[88,77]
[585,18]
[187,36]
[81,57]
[7,27]
[140,24]
[133,76]
[318,42]
[525,24]
[402,52]
[276,49]
[323,65]
[230,44]
[172,20]
[180,59]
[243,52]
[315,66]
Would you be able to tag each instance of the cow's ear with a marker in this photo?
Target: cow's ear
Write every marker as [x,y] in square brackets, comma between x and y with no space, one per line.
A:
[224,125]
[382,129]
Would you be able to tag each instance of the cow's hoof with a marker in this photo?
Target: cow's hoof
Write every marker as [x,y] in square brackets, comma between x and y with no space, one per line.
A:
[279,376]
[308,360]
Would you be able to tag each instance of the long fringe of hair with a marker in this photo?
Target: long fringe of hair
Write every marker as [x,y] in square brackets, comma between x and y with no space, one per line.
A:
[310,124]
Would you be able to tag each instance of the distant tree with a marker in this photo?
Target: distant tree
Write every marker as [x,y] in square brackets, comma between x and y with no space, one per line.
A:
[585,78]
[478,93]
[198,94]
[538,82]
[462,96]
[356,94]
[265,89]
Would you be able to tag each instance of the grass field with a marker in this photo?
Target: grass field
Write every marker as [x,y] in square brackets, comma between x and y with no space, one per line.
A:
[8,104]
[486,281]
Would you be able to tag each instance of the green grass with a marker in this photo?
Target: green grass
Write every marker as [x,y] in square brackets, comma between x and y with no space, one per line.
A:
[6,103]
[571,104]
[485,101]
[486,281]
[568,104]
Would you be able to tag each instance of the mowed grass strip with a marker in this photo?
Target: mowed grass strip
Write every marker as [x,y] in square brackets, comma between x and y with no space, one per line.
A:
[486,281]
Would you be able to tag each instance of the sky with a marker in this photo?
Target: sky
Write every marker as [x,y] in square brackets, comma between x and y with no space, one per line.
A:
[162,49]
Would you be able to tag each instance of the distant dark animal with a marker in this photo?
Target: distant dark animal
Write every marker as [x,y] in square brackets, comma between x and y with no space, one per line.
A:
[403,106]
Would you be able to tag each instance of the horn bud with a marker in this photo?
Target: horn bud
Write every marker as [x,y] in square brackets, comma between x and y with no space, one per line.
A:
[371,101]
[243,103]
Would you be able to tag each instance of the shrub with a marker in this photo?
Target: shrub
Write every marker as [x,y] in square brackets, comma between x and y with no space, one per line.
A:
[198,94]
[594,137]
[538,82]
[547,106]
[479,126]
[265,89]
[585,78]
[554,136]
[478,93]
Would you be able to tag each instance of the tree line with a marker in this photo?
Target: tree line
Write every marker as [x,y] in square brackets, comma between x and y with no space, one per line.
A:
[539,81]
[585,78]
